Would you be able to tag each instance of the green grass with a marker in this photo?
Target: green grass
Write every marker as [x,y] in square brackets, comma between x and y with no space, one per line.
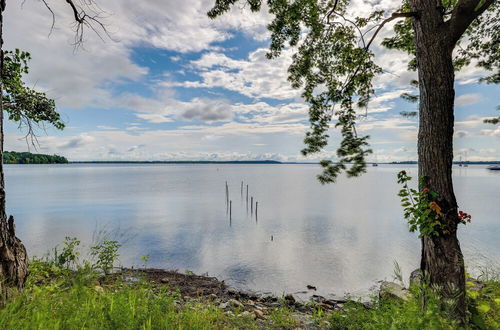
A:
[483,312]
[56,298]
[281,318]
[60,298]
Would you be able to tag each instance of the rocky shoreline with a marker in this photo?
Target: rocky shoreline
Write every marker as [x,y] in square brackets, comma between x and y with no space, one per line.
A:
[210,290]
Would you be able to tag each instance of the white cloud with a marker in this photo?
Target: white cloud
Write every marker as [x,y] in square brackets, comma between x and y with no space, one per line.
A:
[467,99]
[256,77]
[106,127]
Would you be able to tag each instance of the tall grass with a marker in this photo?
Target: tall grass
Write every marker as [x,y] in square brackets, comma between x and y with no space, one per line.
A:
[57,298]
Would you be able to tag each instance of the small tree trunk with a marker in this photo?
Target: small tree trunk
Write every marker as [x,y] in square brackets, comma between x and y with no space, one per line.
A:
[442,260]
[13,256]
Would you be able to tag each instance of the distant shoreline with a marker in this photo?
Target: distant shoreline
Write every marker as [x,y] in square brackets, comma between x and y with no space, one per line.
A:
[245,162]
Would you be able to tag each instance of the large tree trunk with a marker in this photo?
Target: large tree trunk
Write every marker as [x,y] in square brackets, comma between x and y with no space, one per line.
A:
[13,256]
[442,259]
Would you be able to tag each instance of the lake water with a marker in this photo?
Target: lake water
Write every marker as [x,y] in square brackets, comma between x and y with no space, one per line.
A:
[341,238]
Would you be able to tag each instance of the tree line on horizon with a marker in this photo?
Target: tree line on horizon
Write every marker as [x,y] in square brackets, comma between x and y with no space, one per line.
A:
[13,157]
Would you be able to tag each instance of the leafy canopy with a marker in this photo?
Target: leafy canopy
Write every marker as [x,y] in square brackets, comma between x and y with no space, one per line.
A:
[334,66]
[25,105]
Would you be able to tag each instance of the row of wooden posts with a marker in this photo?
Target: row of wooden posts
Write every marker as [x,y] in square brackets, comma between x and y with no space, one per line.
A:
[229,203]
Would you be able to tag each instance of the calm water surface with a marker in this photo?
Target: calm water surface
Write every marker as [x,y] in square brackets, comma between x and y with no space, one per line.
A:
[341,238]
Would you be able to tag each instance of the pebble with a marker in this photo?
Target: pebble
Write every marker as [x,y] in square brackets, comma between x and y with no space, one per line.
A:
[235,303]
[258,314]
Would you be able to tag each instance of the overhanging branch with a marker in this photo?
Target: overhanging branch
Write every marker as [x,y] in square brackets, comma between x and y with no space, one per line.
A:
[387,20]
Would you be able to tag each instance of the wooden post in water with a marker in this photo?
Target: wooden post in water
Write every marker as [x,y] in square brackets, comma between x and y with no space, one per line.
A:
[251,205]
[227,199]
[256,208]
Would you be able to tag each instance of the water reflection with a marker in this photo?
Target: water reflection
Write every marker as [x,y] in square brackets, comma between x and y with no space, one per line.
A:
[339,238]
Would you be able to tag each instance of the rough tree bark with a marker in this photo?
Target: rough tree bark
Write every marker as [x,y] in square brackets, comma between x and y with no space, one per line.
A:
[435,38]
[13,256]
[442,259]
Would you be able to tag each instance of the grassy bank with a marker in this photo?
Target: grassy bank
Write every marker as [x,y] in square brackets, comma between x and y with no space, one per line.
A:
[64,294]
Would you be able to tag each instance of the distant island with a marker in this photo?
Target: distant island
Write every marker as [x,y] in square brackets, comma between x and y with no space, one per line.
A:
[12,157]
[179,162]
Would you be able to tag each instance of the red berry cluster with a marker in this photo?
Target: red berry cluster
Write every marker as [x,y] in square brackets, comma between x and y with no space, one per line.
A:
[464,217]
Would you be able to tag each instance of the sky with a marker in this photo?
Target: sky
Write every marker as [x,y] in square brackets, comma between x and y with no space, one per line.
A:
[168,83]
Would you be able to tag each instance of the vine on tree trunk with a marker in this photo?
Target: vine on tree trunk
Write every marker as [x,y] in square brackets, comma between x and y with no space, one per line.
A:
[422,211]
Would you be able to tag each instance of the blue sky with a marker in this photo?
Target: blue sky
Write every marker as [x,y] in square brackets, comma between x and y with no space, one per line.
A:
[170,84]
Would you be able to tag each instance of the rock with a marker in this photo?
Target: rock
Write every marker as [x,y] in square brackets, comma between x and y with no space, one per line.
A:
[311,287]
[235,303]
[324,306]
[330,302]
[258,314]
[232,292]
[391,290]
[242,295]
[309,322]
[245,314]
[289,299]
[268,299]
[212,297]
[253,296]
[164,280]
[251,302]
[99,288]
[416,277]
[224,305]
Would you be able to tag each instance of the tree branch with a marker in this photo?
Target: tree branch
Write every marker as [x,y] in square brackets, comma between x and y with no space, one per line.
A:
[464,13]
[75,11]
[387,20]
[88,16]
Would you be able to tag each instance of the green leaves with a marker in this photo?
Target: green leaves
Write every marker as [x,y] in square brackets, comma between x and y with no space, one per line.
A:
[419,211]
[23,104]
[333,68]
[422,211]
[106,253]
